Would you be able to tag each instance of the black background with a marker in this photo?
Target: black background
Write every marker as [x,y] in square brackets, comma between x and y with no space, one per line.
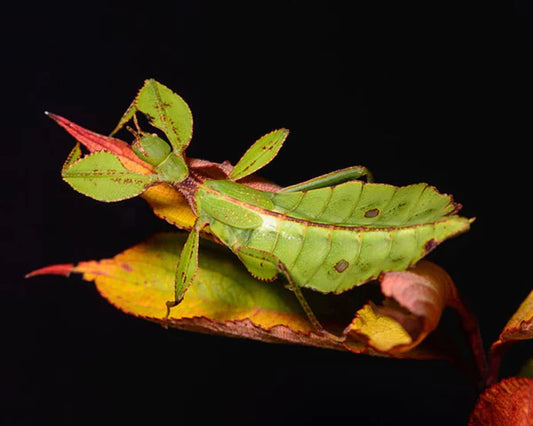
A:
[436,92]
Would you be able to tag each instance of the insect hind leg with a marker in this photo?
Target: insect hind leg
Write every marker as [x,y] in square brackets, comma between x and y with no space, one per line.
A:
[266,266]
[333,178]
[306,308]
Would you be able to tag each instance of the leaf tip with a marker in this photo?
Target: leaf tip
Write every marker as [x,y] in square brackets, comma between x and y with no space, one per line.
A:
[52,115]
[63,269]
[62,121]
[150,82]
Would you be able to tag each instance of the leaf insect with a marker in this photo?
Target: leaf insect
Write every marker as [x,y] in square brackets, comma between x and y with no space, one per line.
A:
[328,234]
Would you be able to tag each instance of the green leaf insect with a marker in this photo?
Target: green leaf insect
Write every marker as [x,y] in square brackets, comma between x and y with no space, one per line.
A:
[103,177]
[328,234]
[169,166]
[169,113]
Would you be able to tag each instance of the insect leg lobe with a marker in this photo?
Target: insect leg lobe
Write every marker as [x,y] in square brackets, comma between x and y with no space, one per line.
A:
[186,269]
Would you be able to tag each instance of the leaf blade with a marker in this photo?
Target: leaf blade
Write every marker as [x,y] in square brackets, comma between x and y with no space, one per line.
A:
[223,298]
[415,300]
[519,327]
[420,295]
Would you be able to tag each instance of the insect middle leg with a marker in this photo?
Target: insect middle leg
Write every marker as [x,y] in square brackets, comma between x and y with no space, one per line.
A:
[186,268]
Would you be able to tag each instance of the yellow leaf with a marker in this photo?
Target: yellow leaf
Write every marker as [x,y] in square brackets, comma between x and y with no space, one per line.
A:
[383,332]
[168,204]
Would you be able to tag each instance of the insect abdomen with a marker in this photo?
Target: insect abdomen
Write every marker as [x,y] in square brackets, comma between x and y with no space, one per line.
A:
[330,259]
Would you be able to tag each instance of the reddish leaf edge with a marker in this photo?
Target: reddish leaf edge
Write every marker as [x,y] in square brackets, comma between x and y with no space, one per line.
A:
[279,333]
[232,328]
[507,338]
[63,269]
[95,142]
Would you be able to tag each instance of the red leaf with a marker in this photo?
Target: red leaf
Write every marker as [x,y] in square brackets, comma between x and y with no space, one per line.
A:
[95,142]
[508,403]
[62,269]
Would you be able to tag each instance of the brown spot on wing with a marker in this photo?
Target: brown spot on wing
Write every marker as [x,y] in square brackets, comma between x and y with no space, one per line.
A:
[372,213]
[341,265]
[430,245]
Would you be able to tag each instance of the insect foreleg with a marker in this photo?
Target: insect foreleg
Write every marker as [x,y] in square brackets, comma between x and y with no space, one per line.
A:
[333,178]
[186,268]
[266,266]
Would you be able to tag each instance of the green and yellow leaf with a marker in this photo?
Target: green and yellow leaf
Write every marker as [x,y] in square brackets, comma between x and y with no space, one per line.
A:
[519,327]
[225,299]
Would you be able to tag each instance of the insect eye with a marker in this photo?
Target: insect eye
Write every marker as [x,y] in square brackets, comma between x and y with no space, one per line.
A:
[152,149]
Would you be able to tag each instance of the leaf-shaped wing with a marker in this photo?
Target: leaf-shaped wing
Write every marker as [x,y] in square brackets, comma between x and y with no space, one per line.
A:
[259,154]
[369,205]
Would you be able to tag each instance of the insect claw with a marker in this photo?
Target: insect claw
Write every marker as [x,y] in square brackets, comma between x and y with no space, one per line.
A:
[170,304]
